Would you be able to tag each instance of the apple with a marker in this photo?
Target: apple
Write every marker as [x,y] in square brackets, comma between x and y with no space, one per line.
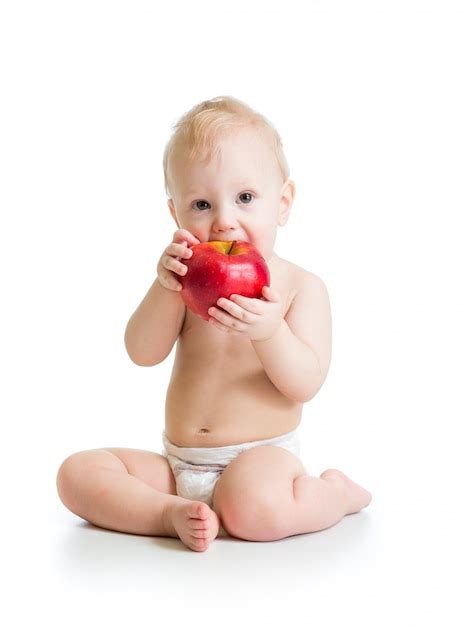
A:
[218,269]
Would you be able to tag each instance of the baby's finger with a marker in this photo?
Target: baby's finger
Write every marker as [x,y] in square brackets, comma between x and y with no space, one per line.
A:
[179,250]
[174,265]
[270,294]
[184,235]
[169,281]
[250,304]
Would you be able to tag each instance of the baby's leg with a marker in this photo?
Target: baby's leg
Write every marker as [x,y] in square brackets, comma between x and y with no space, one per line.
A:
[133,491]
[324,501]
[265,494]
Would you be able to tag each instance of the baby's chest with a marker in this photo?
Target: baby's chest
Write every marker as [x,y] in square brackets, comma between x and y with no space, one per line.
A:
[220,371]
[204,347]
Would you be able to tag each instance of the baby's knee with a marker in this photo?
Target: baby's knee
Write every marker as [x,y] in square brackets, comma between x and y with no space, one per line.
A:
[76,470]
[67,476]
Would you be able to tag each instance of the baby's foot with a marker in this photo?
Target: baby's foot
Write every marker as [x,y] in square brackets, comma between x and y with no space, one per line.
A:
[357,498]
[196,524]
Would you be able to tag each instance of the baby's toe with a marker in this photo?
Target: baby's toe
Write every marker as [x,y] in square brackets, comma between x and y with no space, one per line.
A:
[198,524]
[199,510]
[199,545]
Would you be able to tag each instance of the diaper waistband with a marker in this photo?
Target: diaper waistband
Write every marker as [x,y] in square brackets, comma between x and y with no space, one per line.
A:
[225,454]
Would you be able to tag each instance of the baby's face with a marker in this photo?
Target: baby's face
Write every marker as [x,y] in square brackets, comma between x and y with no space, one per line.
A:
[241,195]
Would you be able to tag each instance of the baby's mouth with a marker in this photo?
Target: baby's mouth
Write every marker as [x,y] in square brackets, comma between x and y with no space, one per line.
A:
[228,240]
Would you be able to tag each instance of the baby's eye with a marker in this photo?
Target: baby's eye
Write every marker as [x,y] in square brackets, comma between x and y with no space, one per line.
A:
[246,194]
[197,204]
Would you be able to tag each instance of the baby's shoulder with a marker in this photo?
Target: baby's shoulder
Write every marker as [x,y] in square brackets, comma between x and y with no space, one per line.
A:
[300,286]
[298,276]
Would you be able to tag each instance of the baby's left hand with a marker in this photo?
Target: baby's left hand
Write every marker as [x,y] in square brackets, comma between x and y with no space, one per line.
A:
[258,319]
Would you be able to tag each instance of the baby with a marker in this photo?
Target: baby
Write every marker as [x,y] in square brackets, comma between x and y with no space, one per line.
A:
[230,461]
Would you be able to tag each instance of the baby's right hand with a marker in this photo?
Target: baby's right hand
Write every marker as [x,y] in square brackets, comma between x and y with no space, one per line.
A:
[169,264]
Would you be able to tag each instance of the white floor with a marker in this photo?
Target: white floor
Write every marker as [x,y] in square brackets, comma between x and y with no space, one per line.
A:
[397,562]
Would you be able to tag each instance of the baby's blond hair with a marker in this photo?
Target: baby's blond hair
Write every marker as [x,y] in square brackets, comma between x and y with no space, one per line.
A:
[198,131]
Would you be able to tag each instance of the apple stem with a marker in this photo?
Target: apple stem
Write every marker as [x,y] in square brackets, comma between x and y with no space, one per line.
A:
[232,244]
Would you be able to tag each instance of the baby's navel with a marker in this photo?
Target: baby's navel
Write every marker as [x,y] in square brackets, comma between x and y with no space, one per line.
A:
[203,431]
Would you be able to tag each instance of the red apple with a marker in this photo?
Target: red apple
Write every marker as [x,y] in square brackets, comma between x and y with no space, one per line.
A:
[218,269]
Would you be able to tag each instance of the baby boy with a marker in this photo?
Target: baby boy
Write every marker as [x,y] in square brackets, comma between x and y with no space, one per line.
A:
[231,456]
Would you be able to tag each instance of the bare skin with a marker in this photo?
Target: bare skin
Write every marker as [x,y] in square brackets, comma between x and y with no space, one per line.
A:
[357,498]
[195,523]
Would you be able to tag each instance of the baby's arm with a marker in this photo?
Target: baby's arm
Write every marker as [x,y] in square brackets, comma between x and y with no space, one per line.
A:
[297,357]
[157,322]
[155,325]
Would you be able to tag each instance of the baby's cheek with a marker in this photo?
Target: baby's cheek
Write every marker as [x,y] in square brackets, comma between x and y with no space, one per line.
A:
[198,233]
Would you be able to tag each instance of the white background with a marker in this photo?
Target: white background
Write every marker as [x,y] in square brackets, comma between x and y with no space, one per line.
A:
[371,100]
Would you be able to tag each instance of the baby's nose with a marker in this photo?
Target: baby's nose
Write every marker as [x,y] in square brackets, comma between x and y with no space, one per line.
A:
[224,220]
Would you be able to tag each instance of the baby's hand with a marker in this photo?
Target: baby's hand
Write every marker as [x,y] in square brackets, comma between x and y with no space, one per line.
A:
[169,264]
[258,319]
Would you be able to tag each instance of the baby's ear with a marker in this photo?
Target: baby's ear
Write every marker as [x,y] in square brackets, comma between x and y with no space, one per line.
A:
[172,210]
[287,195]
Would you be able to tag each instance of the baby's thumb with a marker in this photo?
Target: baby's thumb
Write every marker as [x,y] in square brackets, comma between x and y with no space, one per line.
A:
[270,294]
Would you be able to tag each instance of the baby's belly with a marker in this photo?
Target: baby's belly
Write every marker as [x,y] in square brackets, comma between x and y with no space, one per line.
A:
[225,405]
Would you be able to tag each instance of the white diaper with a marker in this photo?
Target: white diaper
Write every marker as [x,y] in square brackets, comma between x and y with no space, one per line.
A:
[196,470]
